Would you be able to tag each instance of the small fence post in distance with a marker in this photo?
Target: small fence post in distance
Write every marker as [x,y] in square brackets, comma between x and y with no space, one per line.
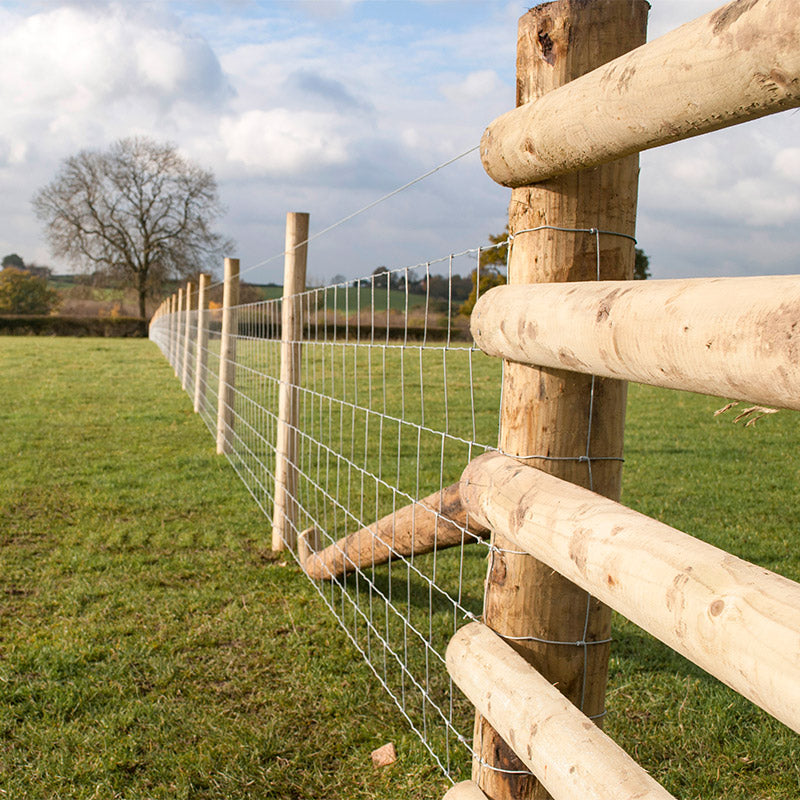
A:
[178,329]
[173,326]
[201,340]
[186,335]
[284,516]
[168,328]
[545,414]
[227,356]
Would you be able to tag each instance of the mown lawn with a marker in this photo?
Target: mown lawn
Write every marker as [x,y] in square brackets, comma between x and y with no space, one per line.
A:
[152,646]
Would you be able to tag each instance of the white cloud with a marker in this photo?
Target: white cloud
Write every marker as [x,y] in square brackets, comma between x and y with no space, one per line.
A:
[283,142]
[12,151]
[699,170]
[477,87]
[787,164]
[102,67]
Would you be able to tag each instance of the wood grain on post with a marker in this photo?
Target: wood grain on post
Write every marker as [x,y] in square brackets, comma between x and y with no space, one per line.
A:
[737,621]
[571,756]
[187,332]
[284,516]
[227,356]
[734,337]
[546,412]
[435,522]
[201,339]
[734,64]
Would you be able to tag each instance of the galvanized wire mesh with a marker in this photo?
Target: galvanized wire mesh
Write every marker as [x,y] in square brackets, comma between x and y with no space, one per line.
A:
[393,402]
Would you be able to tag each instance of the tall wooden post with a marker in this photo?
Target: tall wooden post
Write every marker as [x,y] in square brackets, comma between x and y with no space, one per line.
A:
[227,355]
[186,335]
[284,516]
[201,342]
[173,327]
[178,334]
[545,414]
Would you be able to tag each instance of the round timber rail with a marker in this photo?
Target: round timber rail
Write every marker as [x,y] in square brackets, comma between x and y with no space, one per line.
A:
[730,337]
[734,64]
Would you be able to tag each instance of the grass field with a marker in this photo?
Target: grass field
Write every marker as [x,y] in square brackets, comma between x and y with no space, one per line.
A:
[152,646]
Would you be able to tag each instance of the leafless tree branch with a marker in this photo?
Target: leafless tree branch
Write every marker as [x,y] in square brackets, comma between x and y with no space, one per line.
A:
[138,211]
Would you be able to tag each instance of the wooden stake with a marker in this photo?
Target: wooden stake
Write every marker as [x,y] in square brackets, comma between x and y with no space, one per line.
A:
[201,357]
[173,327]
[736,620]
[178,333]
[186,336]
[546,413]
[284,517]
[227,356]
[734,64]
[170,322]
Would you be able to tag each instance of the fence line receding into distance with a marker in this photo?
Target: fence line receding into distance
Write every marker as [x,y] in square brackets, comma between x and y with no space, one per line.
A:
[391,400]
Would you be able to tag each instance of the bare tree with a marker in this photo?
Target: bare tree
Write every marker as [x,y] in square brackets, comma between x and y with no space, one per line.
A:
[138,211]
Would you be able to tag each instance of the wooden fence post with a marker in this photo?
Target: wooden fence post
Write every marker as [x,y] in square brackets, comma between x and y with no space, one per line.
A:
[284,516]
[227,355]
[173,327]
[178,329]
[545,414]
[201,343]
[186,334]
[169,328]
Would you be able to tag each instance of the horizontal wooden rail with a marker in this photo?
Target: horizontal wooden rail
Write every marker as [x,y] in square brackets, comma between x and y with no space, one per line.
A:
[734,64]
[734,337]
[432,523]
[738,621]
[566,751]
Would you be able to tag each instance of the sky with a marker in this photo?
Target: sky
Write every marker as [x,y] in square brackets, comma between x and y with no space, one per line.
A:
[324,107]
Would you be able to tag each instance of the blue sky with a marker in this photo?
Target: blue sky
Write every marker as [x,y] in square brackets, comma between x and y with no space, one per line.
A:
[324,106]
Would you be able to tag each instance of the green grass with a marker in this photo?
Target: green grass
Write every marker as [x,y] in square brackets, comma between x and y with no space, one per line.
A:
[354,299]
[152,646]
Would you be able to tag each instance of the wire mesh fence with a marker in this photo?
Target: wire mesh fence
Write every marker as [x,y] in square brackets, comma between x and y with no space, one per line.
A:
[392,401]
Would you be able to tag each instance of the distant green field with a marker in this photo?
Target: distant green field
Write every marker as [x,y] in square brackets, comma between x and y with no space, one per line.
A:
[62,281]
[152,646]
[353,300]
